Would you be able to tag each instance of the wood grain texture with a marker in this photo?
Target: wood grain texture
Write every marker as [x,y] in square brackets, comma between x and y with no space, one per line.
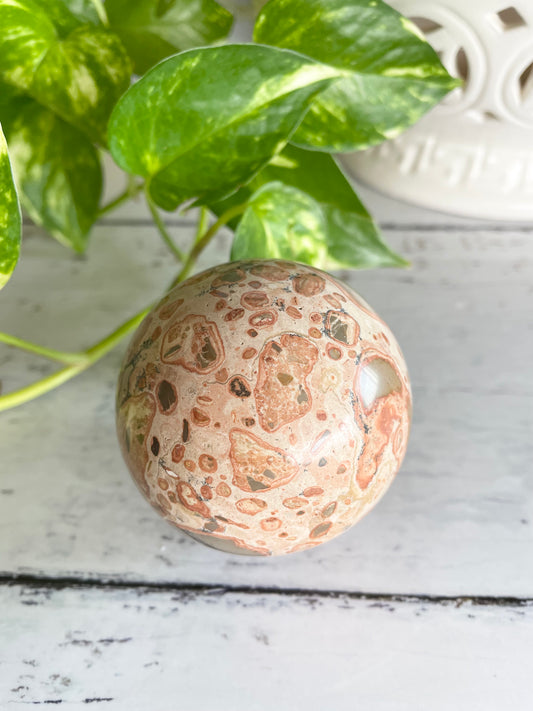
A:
[458,519]
[158,650]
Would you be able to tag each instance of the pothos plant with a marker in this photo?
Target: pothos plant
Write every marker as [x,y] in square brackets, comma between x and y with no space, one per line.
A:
[246,133]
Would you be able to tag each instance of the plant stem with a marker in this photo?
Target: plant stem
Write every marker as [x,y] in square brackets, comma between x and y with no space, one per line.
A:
[100,11]
[203,222]
[78,362]
[90,356]
[61,356]
[167,239]
[128,193]
[203,240]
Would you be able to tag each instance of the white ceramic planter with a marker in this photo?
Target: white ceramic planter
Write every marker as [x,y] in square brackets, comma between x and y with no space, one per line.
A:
[473,154]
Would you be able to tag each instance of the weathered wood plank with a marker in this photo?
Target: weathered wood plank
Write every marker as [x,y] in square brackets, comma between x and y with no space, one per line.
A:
[459,518]
[159,650]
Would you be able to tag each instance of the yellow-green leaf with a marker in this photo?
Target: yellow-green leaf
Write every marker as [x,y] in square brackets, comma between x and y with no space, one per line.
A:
[353,238]
[205,121]
[57,168]
[154,29]
[393,75]
[282,222]
[10,221]
[76,70]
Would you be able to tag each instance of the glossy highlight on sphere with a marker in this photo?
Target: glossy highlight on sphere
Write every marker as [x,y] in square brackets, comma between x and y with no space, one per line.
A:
[263,407]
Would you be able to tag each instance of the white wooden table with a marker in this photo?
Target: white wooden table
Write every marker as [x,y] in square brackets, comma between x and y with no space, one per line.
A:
[426,605]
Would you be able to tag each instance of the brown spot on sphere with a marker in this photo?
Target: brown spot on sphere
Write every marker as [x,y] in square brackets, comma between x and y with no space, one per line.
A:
[239,388]
[270,524]
[254,299]
[193,343]
[329,510]
[263,407]
[342,327]
[199,417]
[190,499]
[263,319]
[332,301]
[250,507]
[234,315]
[178,453]
[309,284]
[167,397]
[293,312]
[257,466]
[320,530]
[334,353]
[168,307]
[206,492]
[270,271]
[294,503]
[313,491]
[282,393]
[207,463]
[222,375]
[231,275]
[223,489]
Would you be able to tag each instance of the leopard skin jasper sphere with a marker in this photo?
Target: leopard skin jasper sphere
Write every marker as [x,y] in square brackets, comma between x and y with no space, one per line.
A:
[263,407]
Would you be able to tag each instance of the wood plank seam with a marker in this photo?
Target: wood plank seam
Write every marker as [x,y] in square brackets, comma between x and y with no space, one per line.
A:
[387,226]
[62,583]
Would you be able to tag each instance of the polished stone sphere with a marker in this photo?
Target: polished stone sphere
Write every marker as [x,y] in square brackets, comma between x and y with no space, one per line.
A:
[263,407]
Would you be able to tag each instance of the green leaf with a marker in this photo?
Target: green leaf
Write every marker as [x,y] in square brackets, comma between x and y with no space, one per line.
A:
[57,169]
[78,71]
[154,29]
[84,10]
[354,242]
[205,121]
[281,222]
[353,237]
[395,75]
[10,221]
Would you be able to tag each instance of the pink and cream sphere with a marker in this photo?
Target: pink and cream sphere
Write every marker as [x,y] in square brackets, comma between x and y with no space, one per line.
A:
[263,407]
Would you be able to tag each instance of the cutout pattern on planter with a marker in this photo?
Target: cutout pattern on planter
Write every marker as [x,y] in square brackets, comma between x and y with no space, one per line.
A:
[473,154]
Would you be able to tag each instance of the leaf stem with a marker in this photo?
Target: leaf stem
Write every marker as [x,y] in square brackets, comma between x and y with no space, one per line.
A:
[203,240]
[90,356]
[129,192]
[78,362]
[203,222]
[167,239]
[65,357]
[100,11]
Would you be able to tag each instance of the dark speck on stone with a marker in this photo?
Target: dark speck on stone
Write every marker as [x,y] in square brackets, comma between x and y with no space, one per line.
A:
[302,396]
[238,388]
[256,485]
[166,395]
